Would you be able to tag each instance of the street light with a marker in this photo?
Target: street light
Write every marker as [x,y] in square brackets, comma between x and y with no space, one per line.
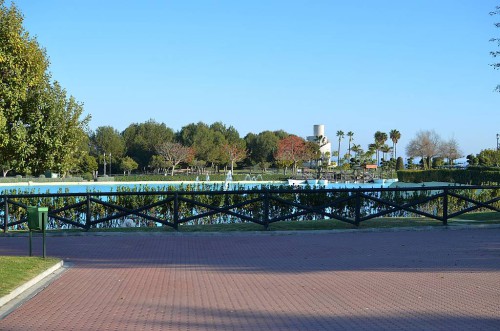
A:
[104,164]
[498,144]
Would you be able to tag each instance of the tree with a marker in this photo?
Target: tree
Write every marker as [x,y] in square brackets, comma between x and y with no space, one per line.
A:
[385,149]
[128,165]
[58,137]
[87,164]
[350,134]
[141,138]
[4,139]
[340,135]
[450,150]
[496,54]
[43,124]
[291,151]
[230,134]
[394,135]
[472,160]
[262,147]
[174,153]
[425,145]
[356,149]
[489,158]
[235,152]
[205,142]
[23,63]
[312,152]
[400,165]
[107,143]
[157,163]
[380,139]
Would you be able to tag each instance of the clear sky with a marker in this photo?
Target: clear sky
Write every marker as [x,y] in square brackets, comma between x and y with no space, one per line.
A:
[358,65]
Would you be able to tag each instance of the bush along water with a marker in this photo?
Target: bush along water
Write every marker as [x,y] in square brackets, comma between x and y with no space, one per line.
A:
[470,176]
[145,206]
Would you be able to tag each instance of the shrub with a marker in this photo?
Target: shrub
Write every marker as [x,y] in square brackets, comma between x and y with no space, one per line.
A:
[461,176]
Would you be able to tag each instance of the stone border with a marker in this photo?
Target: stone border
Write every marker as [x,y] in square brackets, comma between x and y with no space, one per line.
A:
[29,289]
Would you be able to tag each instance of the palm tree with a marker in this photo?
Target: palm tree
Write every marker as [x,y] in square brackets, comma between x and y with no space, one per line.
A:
[395,135]
[385,149]
[369,153]
[380,139]
[356,148]
[340,134]
[350,134]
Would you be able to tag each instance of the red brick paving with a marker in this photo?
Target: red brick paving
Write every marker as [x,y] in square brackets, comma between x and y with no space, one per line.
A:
[410,280]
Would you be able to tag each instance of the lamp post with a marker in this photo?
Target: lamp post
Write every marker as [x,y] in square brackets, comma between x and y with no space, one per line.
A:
[110,164]
[104,164]
[498,144]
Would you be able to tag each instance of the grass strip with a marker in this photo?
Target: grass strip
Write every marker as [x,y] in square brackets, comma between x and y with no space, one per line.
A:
[17,270]
[482,217]
[331,224]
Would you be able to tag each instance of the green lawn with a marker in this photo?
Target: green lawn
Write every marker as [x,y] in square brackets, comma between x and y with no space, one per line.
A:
[16,270]
[489,217]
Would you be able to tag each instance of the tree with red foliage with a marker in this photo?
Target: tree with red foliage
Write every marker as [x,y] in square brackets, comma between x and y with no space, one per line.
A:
[291,151]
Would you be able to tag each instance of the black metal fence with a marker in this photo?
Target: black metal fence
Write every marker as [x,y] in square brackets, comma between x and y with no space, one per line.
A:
[263,206]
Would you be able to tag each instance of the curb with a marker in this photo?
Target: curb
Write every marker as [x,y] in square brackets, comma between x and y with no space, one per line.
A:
[29,289]
[437,227]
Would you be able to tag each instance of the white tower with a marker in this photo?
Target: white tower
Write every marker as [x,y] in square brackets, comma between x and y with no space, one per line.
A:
[319,130]
[325,147]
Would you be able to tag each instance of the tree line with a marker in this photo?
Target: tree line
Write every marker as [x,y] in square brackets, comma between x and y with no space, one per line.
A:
[152,147]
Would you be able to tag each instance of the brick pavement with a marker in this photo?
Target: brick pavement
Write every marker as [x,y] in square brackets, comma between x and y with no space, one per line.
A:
[409,280]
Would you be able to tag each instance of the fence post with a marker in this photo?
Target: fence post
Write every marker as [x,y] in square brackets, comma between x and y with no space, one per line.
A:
[357,215]
[176,211]
[445,207]
[88,215]
[266,210]
[5,214]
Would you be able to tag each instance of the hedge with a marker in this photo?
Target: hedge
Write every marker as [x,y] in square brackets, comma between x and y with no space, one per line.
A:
[459,176]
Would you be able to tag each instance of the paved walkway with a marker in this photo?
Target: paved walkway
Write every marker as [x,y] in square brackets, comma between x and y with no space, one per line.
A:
[409,280]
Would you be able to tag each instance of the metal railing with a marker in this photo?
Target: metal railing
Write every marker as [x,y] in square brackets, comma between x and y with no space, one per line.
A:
[263,206]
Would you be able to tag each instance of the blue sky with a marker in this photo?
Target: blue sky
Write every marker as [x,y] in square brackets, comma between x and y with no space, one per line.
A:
[357,65]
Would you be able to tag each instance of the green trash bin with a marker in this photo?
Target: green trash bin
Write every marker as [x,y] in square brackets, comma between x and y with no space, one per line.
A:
[37,218]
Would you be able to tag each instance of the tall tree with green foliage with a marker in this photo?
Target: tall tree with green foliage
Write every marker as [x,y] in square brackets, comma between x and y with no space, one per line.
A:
[380,139]
[128,164]
[262,147]
[59,130]
[350,134]
[107,142]
[488,158]
[141,138]
[400,165]
[43,125]
[394,135]
[199,137]
[385,149]
[340,136]
[496,54]
[208,141]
